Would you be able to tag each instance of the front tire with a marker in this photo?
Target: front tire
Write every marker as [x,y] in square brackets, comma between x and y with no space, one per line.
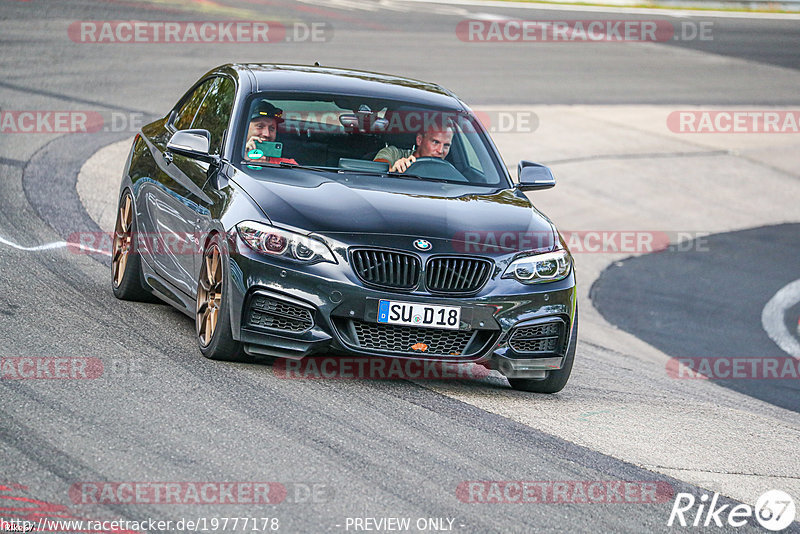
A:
[212,317]
[126,269]
[556,380]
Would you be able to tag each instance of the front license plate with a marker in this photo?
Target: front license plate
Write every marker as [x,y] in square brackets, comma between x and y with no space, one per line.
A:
[415,314]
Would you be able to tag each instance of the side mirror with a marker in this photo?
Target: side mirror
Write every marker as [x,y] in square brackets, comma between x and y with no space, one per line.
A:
[193,144]
[533,177]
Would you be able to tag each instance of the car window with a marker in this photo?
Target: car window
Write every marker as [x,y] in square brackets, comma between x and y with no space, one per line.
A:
[472,157]
[360,134]
[214,112]
[185,115]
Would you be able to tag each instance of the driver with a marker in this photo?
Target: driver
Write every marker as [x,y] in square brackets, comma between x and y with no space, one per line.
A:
[263,128]
[434,142]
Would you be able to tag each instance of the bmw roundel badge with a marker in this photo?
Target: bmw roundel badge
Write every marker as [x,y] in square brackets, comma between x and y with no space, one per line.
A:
[421,244]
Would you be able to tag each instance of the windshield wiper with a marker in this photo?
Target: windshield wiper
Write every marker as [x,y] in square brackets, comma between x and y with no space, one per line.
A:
[287,165]
[403,175]
[379,173]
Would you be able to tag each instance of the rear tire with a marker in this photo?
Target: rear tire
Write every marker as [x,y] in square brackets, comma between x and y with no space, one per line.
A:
[556,380]
[212,317]
[126,268]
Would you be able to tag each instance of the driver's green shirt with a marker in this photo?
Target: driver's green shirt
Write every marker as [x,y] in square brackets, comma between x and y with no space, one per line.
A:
[392,154]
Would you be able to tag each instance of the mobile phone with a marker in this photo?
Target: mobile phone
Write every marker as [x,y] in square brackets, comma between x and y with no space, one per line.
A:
[270,149]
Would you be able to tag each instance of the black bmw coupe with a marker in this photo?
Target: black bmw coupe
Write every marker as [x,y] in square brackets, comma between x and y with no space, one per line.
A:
[294,211]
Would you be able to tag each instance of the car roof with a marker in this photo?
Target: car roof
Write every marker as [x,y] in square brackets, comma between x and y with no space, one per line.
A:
[276,77]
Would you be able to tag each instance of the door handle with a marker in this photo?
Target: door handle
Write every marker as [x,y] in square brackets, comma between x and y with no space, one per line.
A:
[168,157]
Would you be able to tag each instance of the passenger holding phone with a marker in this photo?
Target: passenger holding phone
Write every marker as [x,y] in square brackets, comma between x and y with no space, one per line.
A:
[261,133]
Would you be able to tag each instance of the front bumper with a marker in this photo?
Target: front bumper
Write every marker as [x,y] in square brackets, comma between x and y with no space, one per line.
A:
[292,311]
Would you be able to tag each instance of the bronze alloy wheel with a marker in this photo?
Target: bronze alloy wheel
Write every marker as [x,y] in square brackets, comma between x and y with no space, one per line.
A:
[122,240]
[209,295]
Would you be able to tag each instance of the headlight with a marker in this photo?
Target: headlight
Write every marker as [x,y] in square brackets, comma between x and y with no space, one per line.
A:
[289,245]
[539,268]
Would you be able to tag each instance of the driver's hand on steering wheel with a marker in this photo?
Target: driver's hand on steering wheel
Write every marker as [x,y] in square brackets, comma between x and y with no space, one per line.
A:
[402,164]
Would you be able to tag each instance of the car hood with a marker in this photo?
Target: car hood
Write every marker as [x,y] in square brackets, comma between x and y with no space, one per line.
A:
[500,219]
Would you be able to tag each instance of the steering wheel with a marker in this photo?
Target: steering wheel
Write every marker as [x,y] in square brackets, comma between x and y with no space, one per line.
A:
[429,167]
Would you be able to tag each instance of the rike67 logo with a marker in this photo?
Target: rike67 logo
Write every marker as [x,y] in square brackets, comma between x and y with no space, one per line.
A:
[774,510]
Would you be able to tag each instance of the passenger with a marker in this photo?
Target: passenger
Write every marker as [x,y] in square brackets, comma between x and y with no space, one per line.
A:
[434,142]
[263,128]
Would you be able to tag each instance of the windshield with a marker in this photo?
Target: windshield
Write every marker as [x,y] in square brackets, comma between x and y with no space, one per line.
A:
[367,136]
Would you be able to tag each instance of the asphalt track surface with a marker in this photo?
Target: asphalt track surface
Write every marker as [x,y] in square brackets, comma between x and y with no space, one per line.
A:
[689,305]
[374,448]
